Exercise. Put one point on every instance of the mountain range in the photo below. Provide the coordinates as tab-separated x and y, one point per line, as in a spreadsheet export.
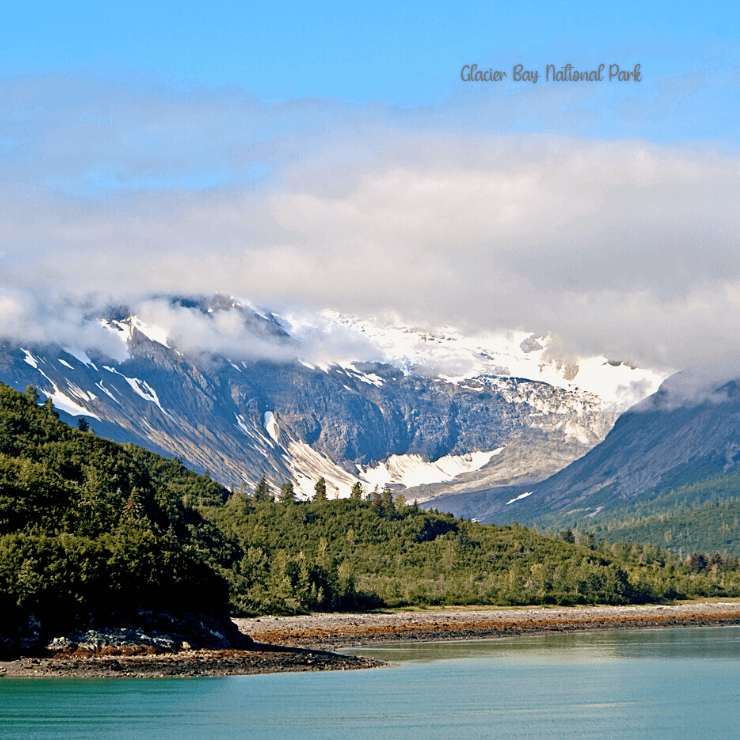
243	392
678	448
497	428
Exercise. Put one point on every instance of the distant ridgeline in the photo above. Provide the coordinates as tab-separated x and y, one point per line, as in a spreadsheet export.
92	531
667	473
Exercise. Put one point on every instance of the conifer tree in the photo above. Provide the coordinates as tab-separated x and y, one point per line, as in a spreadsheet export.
262	491
374	498
320	490
48	406
134	506
356	492
568	536
287	493
387	498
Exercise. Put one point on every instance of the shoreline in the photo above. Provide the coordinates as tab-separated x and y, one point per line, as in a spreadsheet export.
261	659
309	643
337	631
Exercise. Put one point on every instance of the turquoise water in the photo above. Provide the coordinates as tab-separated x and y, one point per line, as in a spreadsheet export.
650	684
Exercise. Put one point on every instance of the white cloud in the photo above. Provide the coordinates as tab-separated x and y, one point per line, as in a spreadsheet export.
37	318
239	335
622	247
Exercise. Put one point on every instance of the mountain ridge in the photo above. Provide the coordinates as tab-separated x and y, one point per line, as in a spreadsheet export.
241	417
685	433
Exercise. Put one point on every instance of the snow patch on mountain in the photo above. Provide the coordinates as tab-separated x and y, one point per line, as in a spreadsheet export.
100	385
124	330
452	356
120	329
519	497
411	470
64	403
61	400
370	378
260	441
79	393
155	333
80	356
141	388
243	425
271	426
145	391
30	359
307	466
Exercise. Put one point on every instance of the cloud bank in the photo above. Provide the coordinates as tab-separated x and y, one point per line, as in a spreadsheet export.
620	247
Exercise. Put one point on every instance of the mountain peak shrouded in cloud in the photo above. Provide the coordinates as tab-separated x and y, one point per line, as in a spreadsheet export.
203	328
195	325
240	330
709	382
620	242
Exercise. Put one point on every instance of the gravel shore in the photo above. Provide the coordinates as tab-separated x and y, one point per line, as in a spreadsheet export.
307	643
186	664
335	631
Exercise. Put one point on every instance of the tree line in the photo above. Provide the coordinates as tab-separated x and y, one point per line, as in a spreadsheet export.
91	529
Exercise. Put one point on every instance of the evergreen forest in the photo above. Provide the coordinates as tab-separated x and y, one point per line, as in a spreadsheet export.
701	516
91	529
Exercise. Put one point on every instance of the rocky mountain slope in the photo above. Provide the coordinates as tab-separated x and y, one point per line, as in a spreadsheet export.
263	404
687	432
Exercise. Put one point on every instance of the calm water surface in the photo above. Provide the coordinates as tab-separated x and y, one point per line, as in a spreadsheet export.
650	684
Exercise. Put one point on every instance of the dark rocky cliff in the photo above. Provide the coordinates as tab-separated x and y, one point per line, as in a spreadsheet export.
244	419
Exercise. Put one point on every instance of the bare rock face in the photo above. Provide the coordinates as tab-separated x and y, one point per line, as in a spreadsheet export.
530	456
142	632
687	432
287	420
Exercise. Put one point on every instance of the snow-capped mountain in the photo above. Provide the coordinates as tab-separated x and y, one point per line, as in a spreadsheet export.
687	433
457	357
243	392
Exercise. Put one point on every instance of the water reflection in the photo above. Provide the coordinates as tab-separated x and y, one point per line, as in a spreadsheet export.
577	647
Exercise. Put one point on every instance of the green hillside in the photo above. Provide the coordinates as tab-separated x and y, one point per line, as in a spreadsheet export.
91	530
709	528
700	517
400	555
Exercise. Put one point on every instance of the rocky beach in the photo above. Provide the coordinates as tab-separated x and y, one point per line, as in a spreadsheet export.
312	642
335	631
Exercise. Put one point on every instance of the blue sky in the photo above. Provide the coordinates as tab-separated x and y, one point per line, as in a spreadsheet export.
401	53
330	153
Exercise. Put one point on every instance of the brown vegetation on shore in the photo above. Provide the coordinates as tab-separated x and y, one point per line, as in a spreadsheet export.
334	631
303	643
